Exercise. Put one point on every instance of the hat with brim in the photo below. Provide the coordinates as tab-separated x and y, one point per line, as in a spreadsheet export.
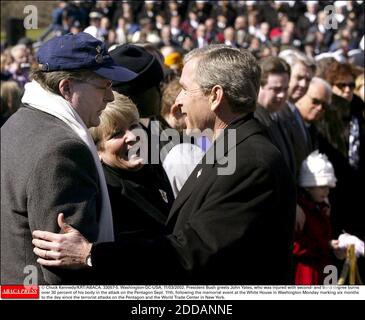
115	73
81	51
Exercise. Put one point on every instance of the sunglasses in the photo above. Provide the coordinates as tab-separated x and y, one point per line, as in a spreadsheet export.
343	85
318	102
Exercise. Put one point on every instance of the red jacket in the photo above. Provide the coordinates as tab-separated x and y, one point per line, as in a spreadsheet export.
311	245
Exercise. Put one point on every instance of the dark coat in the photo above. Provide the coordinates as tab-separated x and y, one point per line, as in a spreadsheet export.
298	134
45	169
335	126
140	200
331	136
278	135
221	227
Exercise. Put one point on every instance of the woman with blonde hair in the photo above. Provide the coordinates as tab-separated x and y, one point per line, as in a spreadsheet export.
140	193
10	100
359	86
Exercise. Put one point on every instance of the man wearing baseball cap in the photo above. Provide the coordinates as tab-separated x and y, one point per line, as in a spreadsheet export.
49	163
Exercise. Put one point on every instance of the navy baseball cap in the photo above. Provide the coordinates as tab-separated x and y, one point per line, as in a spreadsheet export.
81	51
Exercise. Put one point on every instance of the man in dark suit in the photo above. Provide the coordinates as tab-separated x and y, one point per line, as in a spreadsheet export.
302	70
271	100
236	203
48	160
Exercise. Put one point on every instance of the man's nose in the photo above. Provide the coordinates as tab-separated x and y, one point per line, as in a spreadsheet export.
281	94
320	107
178	100
109	96
303	83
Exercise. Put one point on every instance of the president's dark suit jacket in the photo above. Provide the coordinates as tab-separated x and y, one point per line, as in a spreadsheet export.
233	228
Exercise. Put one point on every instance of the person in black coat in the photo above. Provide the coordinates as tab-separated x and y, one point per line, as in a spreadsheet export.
233	220
271	100
140	193
302	70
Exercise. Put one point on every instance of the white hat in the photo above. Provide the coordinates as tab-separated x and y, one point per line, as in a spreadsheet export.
95	15
311	2
337	55
340	4
317	171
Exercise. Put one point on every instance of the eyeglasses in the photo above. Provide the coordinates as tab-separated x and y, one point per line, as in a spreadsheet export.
343	85
319	102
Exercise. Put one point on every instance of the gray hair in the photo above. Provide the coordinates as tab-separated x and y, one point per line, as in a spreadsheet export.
292	57
236	70
319	81
17	48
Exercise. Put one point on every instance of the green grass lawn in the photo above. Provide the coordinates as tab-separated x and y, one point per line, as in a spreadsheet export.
32	34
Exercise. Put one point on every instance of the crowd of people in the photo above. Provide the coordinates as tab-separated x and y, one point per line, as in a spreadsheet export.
76	111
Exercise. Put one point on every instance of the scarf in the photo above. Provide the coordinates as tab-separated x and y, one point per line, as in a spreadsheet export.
39	98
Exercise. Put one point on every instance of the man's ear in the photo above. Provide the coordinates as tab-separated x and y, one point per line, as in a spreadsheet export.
65	89
176	111
216	97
